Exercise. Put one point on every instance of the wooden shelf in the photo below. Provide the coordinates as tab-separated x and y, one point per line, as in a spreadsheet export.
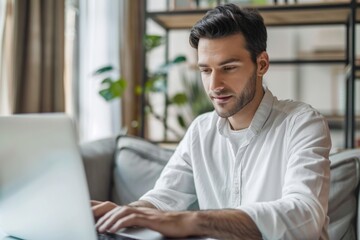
274	15
338	122
315	57
323	54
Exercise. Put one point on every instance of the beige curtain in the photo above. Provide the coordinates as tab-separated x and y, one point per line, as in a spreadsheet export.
38	56
6	52
131	58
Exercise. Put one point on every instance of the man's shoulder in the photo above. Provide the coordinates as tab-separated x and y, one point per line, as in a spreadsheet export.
202	127
205	122
292	108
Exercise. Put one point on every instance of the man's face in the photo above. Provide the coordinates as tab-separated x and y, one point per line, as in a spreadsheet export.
228	74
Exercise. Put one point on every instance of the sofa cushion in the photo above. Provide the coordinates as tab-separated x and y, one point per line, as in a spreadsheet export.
98	157
343	196
138	164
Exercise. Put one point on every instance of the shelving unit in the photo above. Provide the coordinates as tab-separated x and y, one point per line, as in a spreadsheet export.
278	15
346	14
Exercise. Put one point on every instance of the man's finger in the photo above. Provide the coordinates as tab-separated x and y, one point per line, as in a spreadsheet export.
113	216
94	202
102	208
110	218
131	220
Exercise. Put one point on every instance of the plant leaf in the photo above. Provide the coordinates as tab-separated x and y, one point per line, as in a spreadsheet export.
103	70
117	88
181	121
138	90
106	94
107	81
153	41
179	59
179	99
114	90
155	84
164	68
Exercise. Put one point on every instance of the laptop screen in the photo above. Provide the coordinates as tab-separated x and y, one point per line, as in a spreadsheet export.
43	189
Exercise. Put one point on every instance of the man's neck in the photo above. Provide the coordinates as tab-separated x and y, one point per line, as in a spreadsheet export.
243	118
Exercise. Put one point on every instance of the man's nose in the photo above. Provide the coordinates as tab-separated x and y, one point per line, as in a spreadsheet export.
216	81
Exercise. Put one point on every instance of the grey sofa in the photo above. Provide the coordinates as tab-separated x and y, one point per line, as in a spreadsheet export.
122	169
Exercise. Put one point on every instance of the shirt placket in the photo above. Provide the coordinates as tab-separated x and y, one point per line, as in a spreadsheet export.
237	176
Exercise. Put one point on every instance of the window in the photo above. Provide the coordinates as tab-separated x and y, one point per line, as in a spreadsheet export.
92	41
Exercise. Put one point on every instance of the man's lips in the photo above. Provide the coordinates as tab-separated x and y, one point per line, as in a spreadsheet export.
221	99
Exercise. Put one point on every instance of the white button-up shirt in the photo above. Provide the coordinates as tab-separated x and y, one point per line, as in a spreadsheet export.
279	176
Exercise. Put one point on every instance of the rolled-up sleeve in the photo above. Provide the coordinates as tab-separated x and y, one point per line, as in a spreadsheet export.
301	212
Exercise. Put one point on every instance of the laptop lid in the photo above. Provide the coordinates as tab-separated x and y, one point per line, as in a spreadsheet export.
43	189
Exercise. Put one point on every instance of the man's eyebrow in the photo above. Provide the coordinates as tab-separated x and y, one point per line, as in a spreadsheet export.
202	65
230	60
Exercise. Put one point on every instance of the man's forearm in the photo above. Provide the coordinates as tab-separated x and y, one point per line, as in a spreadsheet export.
226	224
141	203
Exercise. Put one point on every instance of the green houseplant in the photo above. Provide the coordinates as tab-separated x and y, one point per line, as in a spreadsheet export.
113	88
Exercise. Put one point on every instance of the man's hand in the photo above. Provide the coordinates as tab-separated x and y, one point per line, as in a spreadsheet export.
221	224
101	208
170	224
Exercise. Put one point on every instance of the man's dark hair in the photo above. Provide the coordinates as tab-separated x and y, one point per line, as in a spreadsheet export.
229	19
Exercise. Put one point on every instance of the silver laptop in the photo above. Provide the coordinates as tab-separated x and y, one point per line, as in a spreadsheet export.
43	189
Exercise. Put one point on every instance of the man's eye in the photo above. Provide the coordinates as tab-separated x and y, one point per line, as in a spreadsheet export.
205	70
228	68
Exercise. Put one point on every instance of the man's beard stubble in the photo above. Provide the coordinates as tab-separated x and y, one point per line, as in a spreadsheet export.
241	100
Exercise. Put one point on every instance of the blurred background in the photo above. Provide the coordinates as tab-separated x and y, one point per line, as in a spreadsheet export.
126	65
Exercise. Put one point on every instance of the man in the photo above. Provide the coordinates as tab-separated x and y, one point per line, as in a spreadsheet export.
258	167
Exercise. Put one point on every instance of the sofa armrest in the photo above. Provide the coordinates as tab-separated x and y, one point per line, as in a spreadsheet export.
344	194
98	159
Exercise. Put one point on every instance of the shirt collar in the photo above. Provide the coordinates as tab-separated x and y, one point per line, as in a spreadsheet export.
259	119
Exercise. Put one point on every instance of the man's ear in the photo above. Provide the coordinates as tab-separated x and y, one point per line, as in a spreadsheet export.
262	63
